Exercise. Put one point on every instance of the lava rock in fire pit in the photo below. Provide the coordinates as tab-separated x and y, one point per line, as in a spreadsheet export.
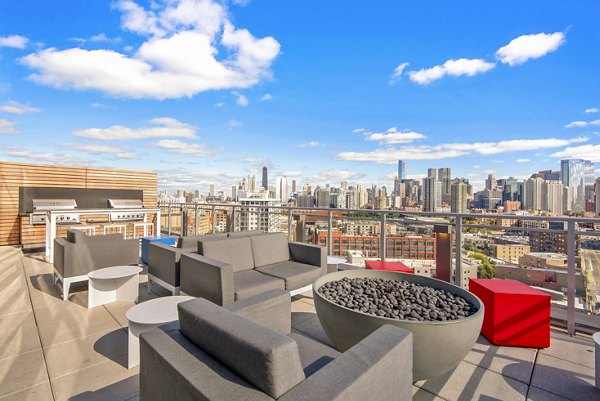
396	299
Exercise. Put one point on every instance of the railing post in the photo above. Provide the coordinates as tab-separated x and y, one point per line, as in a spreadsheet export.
329	232
169	220
289	213
571	248
196	219
383	237
214	219
458	251
232	229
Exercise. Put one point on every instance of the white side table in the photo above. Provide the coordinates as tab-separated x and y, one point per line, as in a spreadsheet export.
148	315
116	283
333	262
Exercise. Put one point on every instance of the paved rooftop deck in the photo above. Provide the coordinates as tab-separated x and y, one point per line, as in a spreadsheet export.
55	350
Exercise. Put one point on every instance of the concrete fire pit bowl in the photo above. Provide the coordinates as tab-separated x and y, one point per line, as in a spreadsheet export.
438	346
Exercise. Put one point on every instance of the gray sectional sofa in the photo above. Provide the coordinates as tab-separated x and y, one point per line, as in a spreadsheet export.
220	353
78	254
227	270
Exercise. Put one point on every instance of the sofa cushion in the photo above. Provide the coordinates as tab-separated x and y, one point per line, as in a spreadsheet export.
296	275
269	249
249	233
74	235
191	241
250	282
268	360
235	251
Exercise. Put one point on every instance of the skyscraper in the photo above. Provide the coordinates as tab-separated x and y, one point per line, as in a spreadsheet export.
445	181
577	174
458	197
490	182
432	172
430	185
401	170
294	190
281	190
265	179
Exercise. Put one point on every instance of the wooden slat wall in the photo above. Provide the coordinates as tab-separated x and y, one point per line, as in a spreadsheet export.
15	229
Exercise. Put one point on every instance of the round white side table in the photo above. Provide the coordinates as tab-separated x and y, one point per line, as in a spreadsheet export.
333	262
110	284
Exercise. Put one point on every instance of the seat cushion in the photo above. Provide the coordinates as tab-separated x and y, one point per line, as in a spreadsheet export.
268	360
270	248
296	275
235	251
313	354
250	282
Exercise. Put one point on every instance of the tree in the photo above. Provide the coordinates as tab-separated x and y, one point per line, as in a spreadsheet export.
486	269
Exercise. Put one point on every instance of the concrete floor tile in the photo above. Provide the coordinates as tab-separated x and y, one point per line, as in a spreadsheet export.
70	356
118	311
577	349
61	310
106	381
14	299
418	394
492	357
35	263
20	341
298	317
564	378
300	306
95	321
17	320
537	394
22	371
39	392
470	382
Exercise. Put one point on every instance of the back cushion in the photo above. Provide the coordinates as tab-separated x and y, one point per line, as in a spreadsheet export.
74	235
191	241
269	249
266	359
249	233
235	251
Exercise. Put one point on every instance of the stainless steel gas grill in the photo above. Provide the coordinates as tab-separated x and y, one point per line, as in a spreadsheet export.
121	209
66	207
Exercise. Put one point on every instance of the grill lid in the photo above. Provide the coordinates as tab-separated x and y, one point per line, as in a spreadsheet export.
54	204
125	203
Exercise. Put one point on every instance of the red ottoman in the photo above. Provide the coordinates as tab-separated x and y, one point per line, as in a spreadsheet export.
515	314
389	266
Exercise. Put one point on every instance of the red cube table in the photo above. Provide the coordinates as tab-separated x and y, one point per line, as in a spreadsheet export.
515	314
389	266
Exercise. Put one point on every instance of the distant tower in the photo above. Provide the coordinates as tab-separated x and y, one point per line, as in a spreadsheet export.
432	172
490	183
401	170
577	174
430	187
446	181
211	190
294	186
281	190
265	180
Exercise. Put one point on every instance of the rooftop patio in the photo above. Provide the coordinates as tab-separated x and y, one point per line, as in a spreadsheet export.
56	350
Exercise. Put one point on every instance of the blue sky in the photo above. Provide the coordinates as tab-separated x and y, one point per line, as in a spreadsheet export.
207	92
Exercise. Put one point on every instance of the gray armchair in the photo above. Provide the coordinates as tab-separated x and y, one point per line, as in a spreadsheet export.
79	254
216	354
236	268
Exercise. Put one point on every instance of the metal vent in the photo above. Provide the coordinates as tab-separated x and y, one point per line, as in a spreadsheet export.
125	203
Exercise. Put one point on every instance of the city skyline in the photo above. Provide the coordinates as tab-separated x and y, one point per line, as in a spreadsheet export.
206	92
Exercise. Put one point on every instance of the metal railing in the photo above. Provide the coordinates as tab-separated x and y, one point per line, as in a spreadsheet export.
234	217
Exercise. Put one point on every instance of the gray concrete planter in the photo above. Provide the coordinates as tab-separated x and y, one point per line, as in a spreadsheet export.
437	346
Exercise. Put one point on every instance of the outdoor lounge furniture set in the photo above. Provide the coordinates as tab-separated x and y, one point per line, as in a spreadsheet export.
228	267
248	351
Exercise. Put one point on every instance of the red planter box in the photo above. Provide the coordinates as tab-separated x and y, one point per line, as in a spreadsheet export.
389	266
515	314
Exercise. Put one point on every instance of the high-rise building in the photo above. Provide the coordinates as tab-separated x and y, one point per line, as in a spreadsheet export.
234	193
258	216
294	188
533	194
458	197
432	172
281	190
251	183
510	189
322	197
265	178
597	187
211	190
552	197
401	169
344	185
430	187
445	180
577	174
490	182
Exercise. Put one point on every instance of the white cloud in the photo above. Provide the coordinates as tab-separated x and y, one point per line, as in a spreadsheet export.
241	99
97	105
17	108
529	47
219	104
182	178
392	136
523	160
310	144
179	59
592	110
329	176
101	37
583	124
292	173
48	157
117	151
164	127
391	155
265	97
193	149
7	127
14	41
587	152
359	130
233	124
397	74
462	66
